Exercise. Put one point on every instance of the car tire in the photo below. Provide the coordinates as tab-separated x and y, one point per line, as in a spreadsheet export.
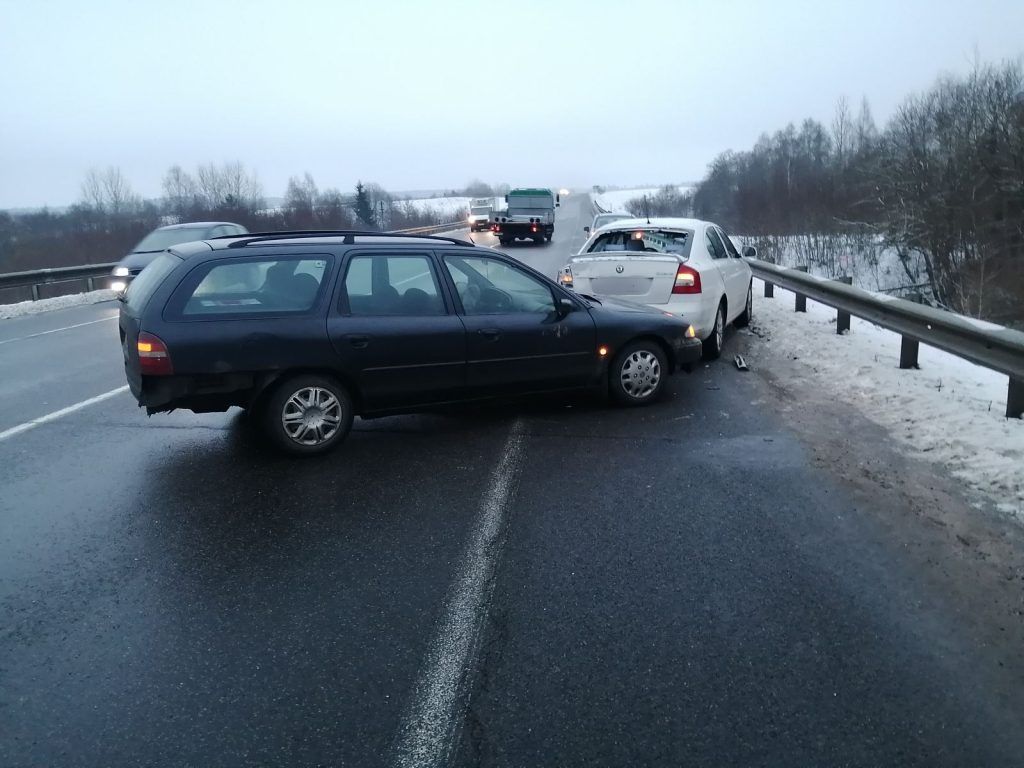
637	374
748	310
307	415
712	345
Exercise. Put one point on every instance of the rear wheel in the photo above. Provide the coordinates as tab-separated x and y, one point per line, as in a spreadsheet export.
307	415
637	374
748	310
712	345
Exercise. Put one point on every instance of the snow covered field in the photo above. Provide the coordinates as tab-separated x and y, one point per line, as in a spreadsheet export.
615	200
448	208
58	302
950	411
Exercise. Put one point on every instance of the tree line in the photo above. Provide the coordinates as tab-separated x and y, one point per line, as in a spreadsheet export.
110	217
941	185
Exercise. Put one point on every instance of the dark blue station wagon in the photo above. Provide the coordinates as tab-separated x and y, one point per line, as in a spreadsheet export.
309	329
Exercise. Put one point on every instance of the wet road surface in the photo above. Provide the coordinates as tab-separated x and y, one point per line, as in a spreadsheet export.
679	584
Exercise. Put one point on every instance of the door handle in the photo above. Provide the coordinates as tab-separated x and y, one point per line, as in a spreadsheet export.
357	341
491	334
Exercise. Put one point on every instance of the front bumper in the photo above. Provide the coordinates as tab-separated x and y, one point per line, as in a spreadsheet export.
687	352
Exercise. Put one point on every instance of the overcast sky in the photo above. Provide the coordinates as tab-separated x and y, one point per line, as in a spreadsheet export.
420	95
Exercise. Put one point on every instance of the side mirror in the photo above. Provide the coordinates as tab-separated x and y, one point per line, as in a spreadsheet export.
587	230
563	307
750	252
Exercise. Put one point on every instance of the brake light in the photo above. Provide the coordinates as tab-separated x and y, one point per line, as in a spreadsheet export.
687	280
154	359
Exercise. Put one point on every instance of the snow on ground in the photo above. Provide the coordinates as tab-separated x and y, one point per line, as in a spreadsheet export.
950	411
448	208
58	302
615	200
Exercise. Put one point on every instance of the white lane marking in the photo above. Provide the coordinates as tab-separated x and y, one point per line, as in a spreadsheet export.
61	413
58	330
428	727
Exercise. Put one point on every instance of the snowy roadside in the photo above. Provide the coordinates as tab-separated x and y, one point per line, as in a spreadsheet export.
23	308
950	411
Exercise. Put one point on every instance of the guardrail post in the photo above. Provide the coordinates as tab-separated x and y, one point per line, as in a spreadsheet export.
35	291
769	290
801	300
1015	399
90	283
908	353
843	318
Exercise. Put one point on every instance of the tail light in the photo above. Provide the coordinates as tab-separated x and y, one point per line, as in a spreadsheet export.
533	228
687	280
154	359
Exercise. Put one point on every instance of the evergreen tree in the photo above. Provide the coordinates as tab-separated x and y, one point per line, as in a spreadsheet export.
364	208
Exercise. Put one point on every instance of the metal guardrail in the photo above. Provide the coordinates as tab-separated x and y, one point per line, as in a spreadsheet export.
35	279
992	346
39	277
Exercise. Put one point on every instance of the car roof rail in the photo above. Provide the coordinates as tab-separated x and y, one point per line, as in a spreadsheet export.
240	241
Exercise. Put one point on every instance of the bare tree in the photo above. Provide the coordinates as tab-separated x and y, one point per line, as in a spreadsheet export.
109	192
179	191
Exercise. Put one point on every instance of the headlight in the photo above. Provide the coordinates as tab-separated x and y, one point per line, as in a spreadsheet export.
121	272
118	285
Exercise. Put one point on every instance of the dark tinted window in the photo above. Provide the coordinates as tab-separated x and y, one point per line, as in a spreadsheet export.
393	285
257	286
728	244
142	287
714	243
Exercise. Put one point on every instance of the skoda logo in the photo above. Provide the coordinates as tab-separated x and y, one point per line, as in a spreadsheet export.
619	268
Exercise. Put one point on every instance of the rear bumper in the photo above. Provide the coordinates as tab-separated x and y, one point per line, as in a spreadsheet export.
201	394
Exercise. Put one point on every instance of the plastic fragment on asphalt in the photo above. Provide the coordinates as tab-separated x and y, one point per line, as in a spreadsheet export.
741	364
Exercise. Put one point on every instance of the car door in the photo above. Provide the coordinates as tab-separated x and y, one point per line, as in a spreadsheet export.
728	269
518	337
740	272
395	330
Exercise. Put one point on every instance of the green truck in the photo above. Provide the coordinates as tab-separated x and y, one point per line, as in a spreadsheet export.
530	215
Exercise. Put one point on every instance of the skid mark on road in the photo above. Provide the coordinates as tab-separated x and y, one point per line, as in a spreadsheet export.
26	426
426	734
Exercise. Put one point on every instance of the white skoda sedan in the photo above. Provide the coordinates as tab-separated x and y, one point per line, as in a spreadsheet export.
683	266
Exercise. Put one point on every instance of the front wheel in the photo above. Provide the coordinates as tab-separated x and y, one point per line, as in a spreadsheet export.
748	310
308	415
637	374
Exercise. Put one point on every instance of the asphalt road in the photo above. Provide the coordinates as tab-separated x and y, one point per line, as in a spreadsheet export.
680	584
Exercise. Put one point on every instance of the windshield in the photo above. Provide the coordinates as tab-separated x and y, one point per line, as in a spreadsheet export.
644	241
162	239
480	209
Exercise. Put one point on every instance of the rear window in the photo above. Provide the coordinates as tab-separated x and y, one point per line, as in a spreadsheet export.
644	241
142	287
273	285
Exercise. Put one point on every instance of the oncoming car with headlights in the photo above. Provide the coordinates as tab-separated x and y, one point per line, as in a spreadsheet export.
682	266
163	238
307	330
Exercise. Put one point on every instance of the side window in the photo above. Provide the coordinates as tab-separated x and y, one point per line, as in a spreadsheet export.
729	246
218	231
714	243
392	285
492	287
257	286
